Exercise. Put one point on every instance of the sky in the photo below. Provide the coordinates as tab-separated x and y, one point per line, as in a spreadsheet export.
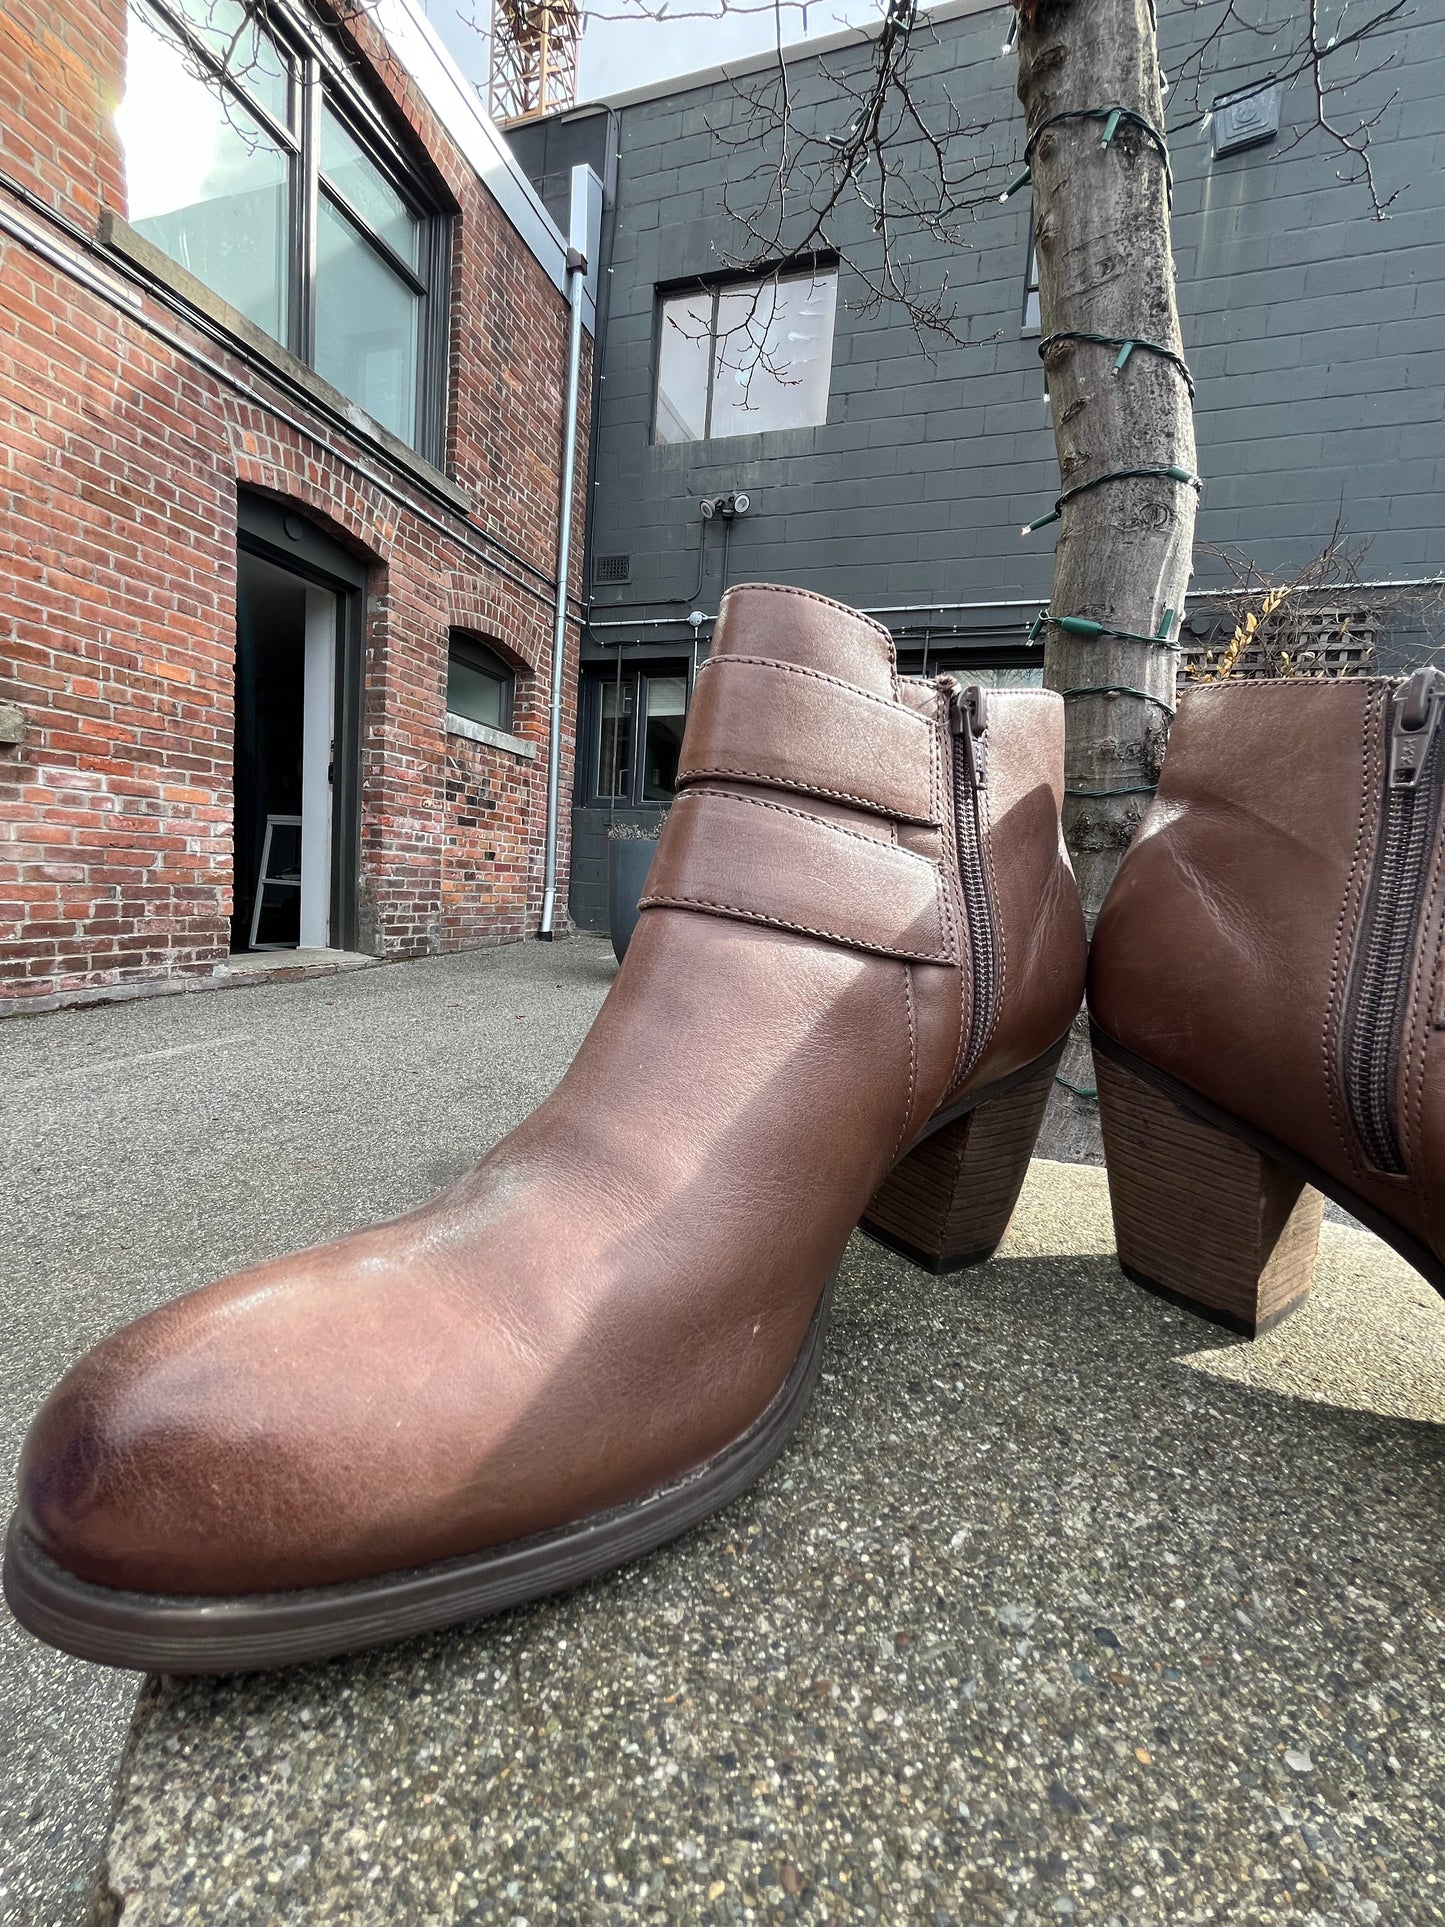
624	48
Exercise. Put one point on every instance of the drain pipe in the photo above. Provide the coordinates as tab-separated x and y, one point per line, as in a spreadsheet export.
576	275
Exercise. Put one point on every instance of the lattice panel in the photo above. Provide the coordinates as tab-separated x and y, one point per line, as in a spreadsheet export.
1329	639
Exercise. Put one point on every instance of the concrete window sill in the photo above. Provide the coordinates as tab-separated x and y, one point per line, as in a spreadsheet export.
493	738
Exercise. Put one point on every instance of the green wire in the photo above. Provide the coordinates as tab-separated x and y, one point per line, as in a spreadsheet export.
1127	789
1126	344
1169	473
1091	630
1113	118
1118	689
1079	1090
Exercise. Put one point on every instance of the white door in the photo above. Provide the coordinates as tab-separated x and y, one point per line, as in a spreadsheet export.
318	723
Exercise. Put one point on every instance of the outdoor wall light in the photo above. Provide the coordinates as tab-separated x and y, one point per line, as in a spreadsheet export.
1246	118
727	506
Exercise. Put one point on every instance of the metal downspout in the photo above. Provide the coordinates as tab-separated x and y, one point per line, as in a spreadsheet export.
576	272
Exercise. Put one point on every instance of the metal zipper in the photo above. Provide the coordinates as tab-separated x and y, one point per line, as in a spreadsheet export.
1390	929
968	721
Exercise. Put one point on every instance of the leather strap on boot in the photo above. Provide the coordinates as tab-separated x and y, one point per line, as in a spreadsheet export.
810	738
764	862
795	729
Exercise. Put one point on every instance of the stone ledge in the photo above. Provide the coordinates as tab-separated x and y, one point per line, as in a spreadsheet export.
493	738
1063	1607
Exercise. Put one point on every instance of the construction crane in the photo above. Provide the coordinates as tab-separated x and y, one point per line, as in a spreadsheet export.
534	58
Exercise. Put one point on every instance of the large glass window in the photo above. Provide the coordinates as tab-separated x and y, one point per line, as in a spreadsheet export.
296	217
746	357
634	723
215	192
366	325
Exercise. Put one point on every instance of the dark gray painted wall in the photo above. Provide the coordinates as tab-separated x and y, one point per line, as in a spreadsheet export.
1315	334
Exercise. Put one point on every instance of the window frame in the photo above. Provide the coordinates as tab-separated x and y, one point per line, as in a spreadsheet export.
1031	324
713	288
318	80
598	677
477	654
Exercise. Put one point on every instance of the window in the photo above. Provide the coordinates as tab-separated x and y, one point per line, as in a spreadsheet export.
251	163
664	712
1031	322
615	710
480	686
626	764
744	358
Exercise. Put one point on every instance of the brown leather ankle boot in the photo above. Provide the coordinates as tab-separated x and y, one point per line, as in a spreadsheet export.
1268	995
860	950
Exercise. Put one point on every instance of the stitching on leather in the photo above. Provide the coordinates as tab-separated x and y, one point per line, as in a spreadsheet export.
1255	685
800	929
877	804
872	803
828	602
803	816
1423	1033
1356	889
935	757
912	1064
813	675
946	950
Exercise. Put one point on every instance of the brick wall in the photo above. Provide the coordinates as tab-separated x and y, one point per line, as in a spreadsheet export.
126	428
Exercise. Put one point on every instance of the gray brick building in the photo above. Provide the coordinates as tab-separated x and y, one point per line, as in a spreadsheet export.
1314	332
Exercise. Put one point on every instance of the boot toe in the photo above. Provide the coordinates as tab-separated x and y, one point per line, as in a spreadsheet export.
142	1472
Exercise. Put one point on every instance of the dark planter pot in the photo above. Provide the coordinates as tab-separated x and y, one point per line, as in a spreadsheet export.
629	858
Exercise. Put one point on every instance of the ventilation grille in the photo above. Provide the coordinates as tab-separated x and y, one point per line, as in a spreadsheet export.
614	568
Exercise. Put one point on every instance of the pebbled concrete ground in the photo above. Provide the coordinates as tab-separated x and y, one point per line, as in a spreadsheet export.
1063	1608
146	1147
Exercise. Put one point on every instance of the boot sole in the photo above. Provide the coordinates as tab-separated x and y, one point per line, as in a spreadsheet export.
1415	1254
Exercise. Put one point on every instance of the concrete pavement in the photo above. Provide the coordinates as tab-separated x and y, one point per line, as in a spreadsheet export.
149	1146
1064	1607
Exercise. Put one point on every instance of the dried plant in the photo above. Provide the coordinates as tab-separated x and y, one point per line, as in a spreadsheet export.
623	830
1324	621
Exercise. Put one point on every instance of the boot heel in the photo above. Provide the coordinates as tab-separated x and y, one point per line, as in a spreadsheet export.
1199	1215
948	1203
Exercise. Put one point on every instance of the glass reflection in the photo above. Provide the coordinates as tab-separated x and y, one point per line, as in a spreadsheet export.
366	324
203	181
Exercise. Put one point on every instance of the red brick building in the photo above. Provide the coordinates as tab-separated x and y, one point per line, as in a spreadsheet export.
283	386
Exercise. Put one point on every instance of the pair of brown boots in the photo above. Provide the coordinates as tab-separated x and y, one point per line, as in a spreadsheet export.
861	952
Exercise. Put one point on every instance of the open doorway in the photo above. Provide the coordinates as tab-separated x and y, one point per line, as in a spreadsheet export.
295	741
286	631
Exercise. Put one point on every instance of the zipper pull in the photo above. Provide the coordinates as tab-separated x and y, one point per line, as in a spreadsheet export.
1414	719
968	719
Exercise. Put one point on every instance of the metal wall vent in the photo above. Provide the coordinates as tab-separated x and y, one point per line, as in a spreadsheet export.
614	568
1246	118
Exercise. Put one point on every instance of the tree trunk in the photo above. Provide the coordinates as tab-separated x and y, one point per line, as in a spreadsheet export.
1105	267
